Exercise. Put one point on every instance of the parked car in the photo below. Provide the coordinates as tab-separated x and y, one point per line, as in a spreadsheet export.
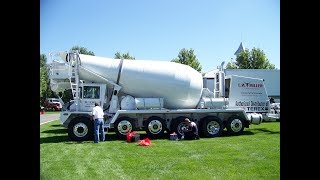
52	104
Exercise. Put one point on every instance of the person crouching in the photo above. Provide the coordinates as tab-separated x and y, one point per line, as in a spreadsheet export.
191	132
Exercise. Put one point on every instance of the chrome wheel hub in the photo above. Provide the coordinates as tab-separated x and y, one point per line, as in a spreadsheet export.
80	130
213	127
236	125
155	126
124	127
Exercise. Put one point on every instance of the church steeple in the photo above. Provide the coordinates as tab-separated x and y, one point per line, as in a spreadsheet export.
240	48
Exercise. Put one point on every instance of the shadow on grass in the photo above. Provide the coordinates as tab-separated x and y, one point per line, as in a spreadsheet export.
65	139
111	136
267	131
54	139
56	125
56	131
114	137
271	122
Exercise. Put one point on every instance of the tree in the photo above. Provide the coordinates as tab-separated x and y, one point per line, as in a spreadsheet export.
82	50
45	90
256	59
43	75
188	57
123	56
231	65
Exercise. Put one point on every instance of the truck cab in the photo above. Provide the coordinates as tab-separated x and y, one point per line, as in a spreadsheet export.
89	93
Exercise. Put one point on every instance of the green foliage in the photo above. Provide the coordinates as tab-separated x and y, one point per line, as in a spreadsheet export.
256	59
43	60
66	96
118	55
43	82
253	155
231	66
45	90
43	75
188	57
82	50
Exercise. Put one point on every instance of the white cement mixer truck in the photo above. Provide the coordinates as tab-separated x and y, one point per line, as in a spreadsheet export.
153	96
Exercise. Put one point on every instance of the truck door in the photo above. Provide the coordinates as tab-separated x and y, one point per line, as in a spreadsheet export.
90	95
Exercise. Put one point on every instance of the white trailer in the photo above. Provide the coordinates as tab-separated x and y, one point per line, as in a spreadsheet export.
155	96
271	79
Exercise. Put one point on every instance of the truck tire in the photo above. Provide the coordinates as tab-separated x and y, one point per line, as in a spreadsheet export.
155	127
234	125
80	129
123	125
177	124
210	126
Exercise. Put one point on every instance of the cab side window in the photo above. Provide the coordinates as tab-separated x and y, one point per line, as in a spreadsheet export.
91	92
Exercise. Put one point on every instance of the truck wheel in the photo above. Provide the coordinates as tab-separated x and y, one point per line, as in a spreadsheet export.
235	125
155	126
211	126
80	129
123	125
177	125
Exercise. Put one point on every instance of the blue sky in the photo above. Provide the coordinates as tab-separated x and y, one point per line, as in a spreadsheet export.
159	29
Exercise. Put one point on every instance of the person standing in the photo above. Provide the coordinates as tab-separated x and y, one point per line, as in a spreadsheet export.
97	116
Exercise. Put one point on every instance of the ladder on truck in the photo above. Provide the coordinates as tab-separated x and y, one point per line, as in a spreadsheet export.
73	60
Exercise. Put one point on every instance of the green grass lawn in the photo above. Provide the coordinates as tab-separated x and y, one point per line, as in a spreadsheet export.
253	155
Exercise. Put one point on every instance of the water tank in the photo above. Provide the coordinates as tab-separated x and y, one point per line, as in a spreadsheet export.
179	84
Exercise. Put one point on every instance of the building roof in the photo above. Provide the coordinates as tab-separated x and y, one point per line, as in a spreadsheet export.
240	48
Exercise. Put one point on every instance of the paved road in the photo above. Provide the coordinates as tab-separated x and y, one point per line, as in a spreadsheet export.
45	118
